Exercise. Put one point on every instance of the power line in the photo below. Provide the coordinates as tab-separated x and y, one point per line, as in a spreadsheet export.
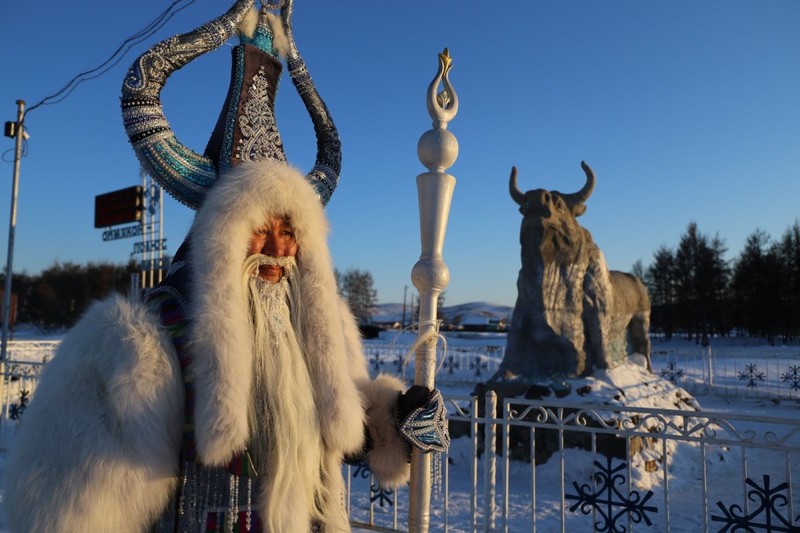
7	156
116	57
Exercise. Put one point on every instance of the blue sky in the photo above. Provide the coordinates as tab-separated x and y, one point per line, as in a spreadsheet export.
686	110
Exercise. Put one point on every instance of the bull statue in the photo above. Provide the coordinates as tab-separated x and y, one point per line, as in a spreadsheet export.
572	314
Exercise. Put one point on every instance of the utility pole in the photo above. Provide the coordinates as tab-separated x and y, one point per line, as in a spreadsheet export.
403	322
17	130
142	272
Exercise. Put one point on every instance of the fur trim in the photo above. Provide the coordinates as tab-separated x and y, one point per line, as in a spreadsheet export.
280	43
353	345
247	26
389	456
98	449
244	197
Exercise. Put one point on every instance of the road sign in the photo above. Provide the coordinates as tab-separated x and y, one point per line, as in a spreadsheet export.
122	233
155	264
149	246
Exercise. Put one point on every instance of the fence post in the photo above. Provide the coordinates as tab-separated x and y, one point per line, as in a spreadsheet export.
489	460
710	365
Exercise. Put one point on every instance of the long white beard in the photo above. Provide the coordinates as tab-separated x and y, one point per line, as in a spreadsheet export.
285	440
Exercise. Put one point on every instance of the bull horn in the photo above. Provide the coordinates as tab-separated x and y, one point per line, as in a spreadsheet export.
513	188
328	164
185	174
582	195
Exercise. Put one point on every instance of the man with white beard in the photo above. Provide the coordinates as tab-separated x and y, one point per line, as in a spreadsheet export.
228	396
258	360
310	395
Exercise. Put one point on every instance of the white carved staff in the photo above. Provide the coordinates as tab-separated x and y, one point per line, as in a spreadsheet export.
437	150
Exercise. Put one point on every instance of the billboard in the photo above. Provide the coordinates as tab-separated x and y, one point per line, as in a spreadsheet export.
118	207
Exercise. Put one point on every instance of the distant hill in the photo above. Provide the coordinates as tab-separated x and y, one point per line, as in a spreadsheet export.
473	312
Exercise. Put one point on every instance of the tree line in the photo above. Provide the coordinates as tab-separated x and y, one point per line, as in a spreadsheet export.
61	293
695	291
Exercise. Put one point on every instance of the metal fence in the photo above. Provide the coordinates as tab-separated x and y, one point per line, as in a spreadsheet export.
461	364
769	374
20	374
550	467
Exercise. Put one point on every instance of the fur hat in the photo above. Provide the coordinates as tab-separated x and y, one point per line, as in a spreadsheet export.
246	196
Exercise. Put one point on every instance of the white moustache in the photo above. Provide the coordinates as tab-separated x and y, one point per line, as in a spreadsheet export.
256	261
268	260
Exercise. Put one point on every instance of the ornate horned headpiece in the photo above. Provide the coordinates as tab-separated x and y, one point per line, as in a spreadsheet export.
246	129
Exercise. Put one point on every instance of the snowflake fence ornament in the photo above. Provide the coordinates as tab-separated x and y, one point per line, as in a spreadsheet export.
768	515
792	377
16	410
361	470
671	372
376	493
376	360
450	364
752	375
398	364
608	501
381	495
478	365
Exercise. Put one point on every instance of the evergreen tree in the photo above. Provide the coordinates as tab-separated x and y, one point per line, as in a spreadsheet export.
660	280
713	275
789	255
751	285
686	293
701	278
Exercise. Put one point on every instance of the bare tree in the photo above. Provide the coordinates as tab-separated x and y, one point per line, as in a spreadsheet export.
357	288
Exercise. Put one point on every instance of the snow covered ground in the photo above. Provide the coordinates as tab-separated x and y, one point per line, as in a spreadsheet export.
724	465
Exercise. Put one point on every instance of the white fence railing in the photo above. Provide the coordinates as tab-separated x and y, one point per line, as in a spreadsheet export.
461	364
768	374
602	468
20	374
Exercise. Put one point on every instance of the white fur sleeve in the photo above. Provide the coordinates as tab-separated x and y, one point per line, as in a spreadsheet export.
388	459
97	450
388	456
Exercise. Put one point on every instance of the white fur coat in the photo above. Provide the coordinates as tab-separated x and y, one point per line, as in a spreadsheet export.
98	447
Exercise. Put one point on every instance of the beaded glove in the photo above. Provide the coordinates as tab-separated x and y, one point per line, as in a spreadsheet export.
422	419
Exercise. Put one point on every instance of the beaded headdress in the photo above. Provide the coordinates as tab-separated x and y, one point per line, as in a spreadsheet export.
246	129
